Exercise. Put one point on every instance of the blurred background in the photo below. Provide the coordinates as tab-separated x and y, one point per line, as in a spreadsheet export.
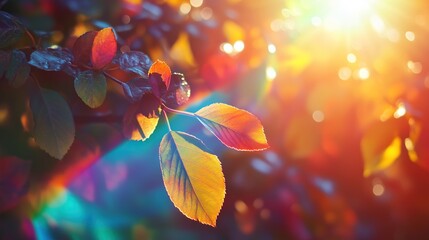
341	87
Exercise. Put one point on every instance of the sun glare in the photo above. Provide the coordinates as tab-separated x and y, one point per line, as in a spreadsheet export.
347	13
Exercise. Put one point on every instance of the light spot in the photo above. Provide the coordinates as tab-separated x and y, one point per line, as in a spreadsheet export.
265	214
196	3
185	8
351	58
270	73
400	111
258	203
126	19
240	207
206	13
363	73
344	73
239	46
415	67
226	48
378	189
272	48
318	116
410	36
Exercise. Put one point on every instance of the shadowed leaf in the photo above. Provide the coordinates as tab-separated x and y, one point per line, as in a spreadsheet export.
103	48
4	62
236	128
162	69
136	62
82	48
51	59
91	87
11	29
135	88
18	69
53	122
141	118
192	176
179	91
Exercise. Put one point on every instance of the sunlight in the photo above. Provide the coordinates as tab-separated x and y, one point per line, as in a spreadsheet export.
347	13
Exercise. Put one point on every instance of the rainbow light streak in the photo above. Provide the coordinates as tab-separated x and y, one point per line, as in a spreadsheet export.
101	196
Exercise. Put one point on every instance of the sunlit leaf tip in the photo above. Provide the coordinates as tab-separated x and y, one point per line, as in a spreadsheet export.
141	118
192	176
236	128
163	69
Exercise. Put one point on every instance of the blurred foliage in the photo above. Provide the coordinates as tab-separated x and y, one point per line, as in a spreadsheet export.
341	88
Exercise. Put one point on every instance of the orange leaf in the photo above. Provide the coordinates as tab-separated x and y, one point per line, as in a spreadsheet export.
236	128
103	48
141	118
192	176
163	69
82	47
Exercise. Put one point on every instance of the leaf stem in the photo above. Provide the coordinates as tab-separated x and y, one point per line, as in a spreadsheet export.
113	78
33	41
166	119
189	114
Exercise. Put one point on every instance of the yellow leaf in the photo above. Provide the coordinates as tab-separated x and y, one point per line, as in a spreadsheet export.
192	176
233	32
380	147
181	51
236	128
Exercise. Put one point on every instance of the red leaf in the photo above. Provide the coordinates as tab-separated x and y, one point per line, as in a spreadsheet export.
163	69
236	128
83	46
104	48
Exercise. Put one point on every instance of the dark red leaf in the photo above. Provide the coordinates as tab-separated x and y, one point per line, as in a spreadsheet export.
82	48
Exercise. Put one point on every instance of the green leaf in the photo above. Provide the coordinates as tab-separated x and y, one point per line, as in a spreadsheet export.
54	128
192	176
18	69
91	87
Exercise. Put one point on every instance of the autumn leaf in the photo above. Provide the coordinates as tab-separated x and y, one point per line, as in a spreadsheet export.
83	46
192	176
162	69
380	146
53	122
236	128
141	118
103	48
